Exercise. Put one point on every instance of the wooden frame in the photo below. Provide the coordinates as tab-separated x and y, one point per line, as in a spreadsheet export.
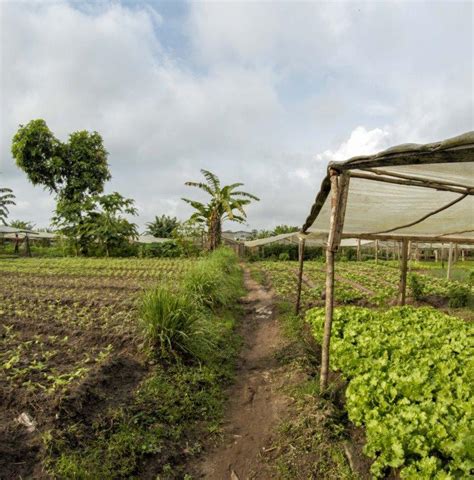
455	150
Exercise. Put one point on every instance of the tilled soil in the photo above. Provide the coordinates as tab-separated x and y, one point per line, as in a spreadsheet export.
257	402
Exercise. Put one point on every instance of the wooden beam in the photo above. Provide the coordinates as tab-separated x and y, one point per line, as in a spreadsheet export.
339	191
412	183
424	217
300	275
449	155
450	261
418	179
416	238
403	273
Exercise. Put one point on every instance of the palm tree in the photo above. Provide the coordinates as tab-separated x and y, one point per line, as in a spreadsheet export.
6	198
226	204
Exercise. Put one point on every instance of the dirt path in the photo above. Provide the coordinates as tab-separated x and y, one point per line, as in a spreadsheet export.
257	403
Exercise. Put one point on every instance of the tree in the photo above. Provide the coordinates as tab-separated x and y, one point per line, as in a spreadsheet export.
102	222
162	227
225	204
6	198
22	225
75	171
280	229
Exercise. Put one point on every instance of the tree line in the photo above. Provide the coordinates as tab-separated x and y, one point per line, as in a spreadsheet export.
76	172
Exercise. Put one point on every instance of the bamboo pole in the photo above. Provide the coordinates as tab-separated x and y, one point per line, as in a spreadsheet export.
339	191
450	261
300	274
403	273
412	183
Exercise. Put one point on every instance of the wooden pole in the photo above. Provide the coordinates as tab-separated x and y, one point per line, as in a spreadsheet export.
358	250
376	251
436	255
462	255
339	191
450	261
403	273
300	275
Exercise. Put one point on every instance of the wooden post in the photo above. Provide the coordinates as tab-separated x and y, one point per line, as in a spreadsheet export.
300	275
442	255
450	261
27	246
408	255
436	255
358	250
339	191
376	251
462	255
403	273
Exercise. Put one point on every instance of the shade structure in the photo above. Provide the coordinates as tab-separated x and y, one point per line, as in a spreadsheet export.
294	238
152	239
415	191
412	192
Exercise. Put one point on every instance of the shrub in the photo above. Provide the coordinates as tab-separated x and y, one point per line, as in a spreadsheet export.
458	296
214	281
172	325
417	286
283	257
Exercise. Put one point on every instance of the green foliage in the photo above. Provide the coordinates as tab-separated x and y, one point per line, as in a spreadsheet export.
175	320
75	171
72	170
172	325
225	204
22	224
162	227
280	229
169	249
284	256
100	224
6	198
214	281
458	295
416	285
410	386
274	250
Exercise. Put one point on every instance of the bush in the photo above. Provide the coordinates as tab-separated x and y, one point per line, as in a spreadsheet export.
214	281
283	257
458	296
172	324
178	323
274	250
417	286
163	250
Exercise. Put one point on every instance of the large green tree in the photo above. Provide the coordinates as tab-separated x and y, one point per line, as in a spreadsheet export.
6	198
162	227
226	203
75	171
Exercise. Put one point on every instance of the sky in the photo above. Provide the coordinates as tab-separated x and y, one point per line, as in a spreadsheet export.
265	93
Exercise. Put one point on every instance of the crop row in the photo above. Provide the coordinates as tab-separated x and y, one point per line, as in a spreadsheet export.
410	386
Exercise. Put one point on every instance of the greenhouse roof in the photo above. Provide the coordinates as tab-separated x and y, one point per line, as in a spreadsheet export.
295	237
420	192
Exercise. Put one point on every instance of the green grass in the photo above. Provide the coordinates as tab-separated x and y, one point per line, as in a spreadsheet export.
180	401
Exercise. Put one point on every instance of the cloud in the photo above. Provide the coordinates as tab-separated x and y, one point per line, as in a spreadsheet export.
257	92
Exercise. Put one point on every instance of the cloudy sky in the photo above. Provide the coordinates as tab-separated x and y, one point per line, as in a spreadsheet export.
259	92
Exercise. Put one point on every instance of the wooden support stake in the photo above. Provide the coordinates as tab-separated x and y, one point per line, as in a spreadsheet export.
376	251
27	246
339	191
450	261
403	273
300	275
358	250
